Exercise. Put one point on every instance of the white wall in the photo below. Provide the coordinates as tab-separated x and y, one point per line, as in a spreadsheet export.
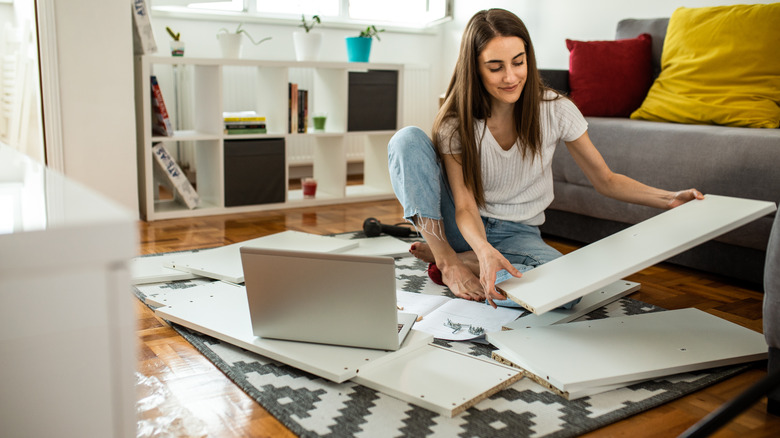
551	22
94	43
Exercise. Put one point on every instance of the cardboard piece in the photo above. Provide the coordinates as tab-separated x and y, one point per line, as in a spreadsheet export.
580	272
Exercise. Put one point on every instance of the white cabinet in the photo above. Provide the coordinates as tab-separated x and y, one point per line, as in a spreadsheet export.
198	90
67	324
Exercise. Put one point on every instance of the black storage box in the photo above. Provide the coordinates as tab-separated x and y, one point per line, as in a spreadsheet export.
254	171
373	101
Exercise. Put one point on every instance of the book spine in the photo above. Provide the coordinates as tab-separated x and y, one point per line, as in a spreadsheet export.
300	111
293	114
306	111
161	123
182	187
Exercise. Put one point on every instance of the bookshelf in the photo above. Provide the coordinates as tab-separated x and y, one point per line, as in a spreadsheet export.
198	90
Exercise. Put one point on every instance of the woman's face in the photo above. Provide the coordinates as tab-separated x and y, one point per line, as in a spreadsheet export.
503	69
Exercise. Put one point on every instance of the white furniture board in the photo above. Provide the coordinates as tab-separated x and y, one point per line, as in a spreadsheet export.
511	359
159	297
222	311
379	246
440	380
588	354
151	269
589	303
580	272
224	263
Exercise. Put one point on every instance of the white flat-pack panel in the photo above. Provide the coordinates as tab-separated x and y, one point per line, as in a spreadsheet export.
151	269
222	311
589	303
379	246
588	354
440	380
580	272
509	358
224	263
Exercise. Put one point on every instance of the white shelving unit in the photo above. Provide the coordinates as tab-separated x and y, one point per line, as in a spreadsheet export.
197	91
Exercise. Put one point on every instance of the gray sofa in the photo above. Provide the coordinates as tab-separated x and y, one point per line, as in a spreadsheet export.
739	162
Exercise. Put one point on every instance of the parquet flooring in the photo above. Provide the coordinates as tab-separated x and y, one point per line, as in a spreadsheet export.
199	393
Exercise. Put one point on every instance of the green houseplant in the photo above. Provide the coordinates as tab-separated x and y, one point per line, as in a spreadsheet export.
230	42
307	44
359	47
177	45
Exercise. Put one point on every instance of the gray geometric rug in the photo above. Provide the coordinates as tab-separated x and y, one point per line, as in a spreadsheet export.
313	407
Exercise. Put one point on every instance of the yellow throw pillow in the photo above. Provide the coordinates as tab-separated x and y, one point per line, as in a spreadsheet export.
720	65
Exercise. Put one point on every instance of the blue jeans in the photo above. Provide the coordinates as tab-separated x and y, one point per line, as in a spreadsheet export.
421	187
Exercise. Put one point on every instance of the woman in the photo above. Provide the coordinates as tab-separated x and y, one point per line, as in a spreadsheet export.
478	191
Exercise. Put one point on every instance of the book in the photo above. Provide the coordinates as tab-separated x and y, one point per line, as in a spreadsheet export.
143	36
303	110
246	131
242	116
292	115
455	319
245	125
161	121
174	176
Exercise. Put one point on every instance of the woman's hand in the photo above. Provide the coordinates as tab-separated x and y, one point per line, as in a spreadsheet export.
684	196
490	262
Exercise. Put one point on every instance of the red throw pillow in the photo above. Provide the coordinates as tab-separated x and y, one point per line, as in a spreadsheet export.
610	78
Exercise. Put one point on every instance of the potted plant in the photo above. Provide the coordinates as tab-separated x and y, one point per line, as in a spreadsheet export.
177	45
359	47
307	44
230	42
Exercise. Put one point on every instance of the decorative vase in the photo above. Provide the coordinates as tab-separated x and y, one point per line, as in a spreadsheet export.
307	45
230	44
358	49
177	48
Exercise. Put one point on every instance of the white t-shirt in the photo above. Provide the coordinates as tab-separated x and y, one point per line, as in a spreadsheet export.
518	189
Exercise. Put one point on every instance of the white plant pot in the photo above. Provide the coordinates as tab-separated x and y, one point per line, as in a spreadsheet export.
230	43
307	45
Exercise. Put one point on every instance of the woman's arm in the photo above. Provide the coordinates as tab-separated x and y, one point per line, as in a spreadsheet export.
619	186
470	225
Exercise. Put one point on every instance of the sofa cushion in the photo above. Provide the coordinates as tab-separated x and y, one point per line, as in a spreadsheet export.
719	66
609	78
656	27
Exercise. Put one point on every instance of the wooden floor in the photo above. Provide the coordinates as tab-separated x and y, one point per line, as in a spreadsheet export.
200	393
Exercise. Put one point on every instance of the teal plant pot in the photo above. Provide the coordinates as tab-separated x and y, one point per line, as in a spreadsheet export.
358	49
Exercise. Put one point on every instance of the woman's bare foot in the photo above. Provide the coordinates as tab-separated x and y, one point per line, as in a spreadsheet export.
422	251
462	279
463	283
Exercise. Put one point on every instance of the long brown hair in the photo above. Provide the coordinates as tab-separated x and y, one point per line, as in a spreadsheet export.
467	99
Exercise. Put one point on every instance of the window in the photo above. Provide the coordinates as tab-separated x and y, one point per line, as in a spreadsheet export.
396	13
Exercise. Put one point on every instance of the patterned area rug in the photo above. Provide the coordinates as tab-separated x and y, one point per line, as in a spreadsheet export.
313	407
